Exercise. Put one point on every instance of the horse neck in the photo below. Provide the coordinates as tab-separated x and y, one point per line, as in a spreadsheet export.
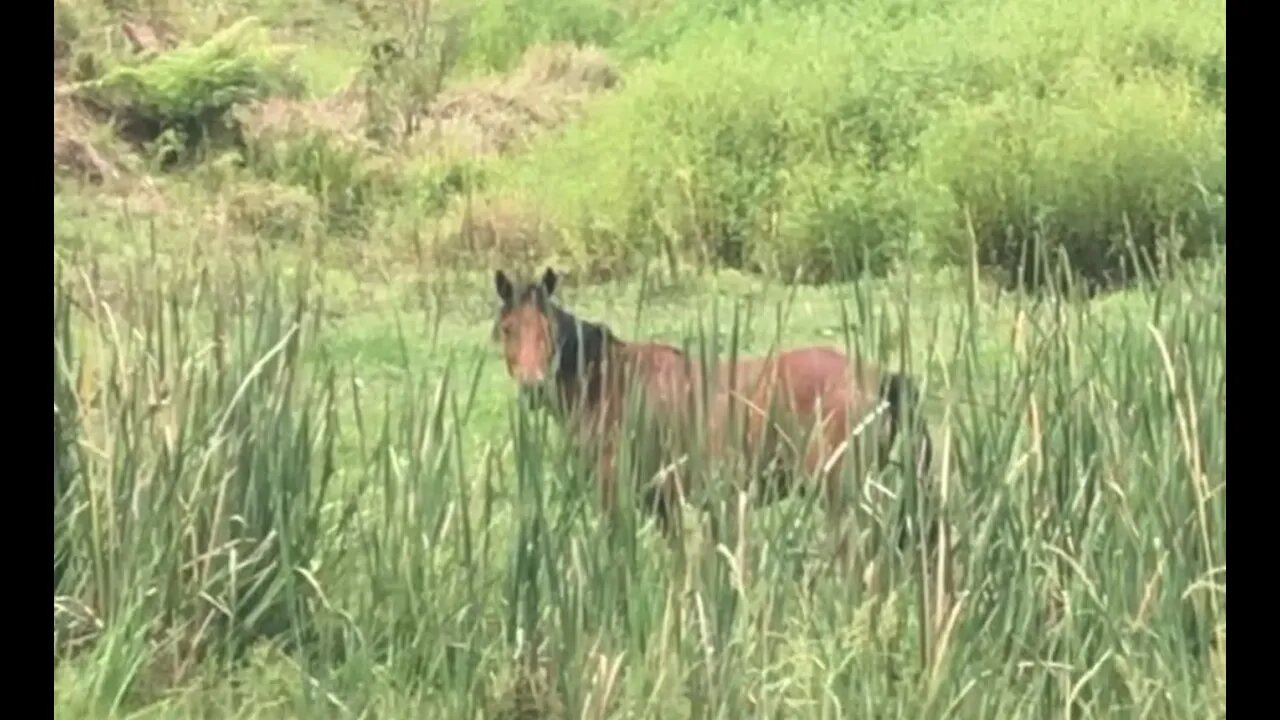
583	347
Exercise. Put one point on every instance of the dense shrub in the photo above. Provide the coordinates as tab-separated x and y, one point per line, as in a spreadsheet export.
357	185
692	158
274	212
343	172
185	96
827	140
1099	170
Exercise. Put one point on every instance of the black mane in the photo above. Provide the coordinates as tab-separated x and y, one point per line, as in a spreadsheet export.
580	344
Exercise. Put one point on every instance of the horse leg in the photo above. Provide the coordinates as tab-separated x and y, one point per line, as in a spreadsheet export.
664	502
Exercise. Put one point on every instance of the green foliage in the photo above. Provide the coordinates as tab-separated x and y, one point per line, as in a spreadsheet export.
498	32
1112	175
433	184
346	174
268	507
676	163
663	24
354	183
189	92
824	141
278	213
407	65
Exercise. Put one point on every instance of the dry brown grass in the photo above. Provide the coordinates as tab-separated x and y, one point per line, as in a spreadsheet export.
499	115
502	114
62	36
75	153
493	115
149	38
493	230
274	212
341	115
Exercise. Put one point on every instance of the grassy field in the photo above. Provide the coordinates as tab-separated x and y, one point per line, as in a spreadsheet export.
292	479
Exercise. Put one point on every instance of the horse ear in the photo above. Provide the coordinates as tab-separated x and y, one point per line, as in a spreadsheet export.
503	286
549	281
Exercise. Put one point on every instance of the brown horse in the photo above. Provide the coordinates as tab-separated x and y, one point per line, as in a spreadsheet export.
808	405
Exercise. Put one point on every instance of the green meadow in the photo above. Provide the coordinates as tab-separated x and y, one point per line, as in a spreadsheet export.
292	477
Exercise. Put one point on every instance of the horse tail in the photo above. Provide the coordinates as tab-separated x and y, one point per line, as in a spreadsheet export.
903	399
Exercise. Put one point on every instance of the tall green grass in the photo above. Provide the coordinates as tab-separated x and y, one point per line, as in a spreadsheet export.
245	525
191	467
238	527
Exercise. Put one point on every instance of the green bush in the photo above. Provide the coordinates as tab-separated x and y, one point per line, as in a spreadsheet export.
644	174
345	176
1098	169
825	140
836	221
277	213
187	93
355	183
